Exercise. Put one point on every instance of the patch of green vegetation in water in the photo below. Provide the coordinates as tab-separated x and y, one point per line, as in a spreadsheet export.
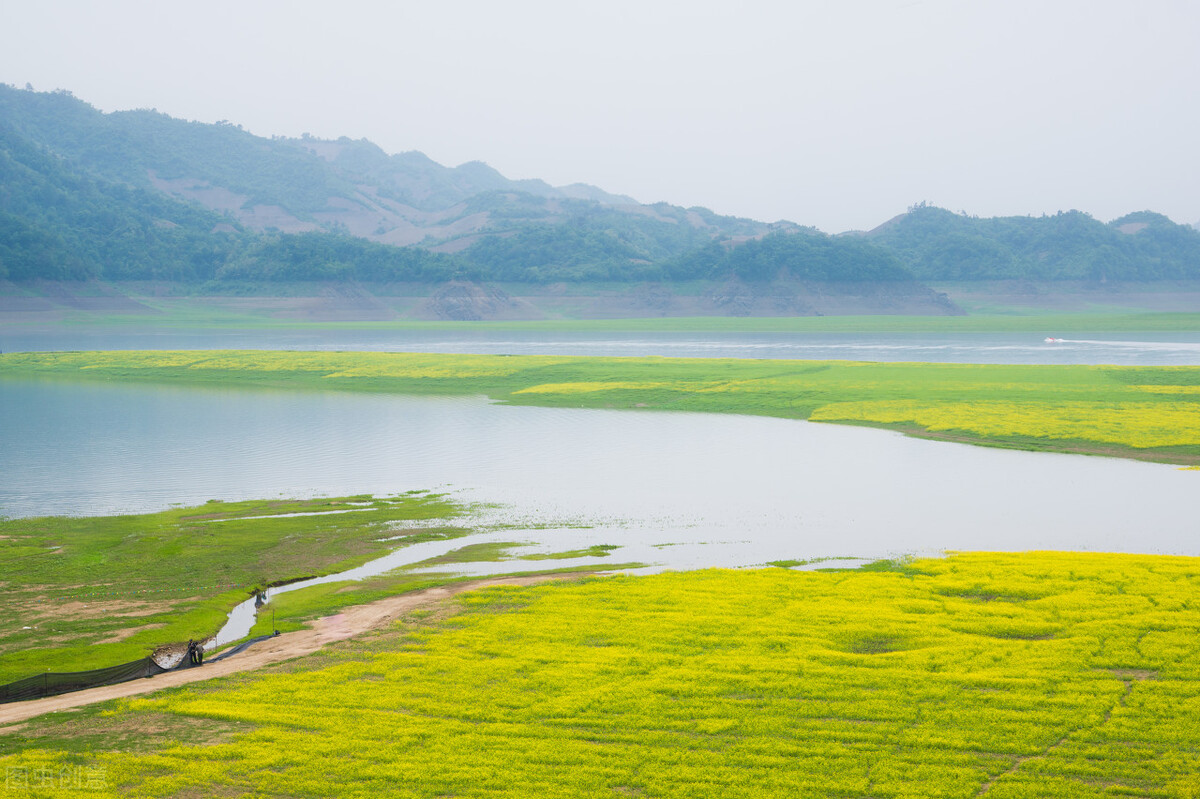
491	551
595	551
792	564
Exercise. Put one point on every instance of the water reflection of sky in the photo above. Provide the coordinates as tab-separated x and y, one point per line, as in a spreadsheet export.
674	489
1178	348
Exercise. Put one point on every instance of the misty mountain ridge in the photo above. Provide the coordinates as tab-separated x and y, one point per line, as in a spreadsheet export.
138	195
308	184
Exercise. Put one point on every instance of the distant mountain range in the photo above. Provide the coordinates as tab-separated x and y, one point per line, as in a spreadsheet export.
138	195
940	246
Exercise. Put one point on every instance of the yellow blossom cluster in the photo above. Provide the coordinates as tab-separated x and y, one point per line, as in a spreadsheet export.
1131	424
1005	675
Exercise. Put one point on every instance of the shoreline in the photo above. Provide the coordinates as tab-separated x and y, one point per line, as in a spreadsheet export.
1135	412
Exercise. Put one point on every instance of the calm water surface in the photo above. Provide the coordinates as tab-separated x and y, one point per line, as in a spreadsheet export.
1097	348
674	489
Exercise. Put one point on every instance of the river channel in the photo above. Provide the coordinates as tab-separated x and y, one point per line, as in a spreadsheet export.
681	490
672	490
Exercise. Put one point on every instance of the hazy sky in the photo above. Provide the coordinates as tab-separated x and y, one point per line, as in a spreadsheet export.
836	114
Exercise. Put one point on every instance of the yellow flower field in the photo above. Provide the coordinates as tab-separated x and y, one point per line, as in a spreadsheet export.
982	674
1130	424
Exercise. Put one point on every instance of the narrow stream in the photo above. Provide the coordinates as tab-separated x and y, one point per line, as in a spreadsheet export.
241	618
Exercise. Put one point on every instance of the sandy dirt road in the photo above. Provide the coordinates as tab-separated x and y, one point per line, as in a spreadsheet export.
347	624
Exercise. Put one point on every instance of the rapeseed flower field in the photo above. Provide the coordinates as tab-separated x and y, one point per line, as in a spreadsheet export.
981	674
1138	425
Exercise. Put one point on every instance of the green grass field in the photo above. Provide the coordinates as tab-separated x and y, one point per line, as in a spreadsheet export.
1126	411
88	592
83	593
984	674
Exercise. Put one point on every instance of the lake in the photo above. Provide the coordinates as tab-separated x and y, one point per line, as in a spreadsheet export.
678	490
1176	348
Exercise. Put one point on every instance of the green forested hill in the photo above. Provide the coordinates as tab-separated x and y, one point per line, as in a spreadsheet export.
136	147
140	195
93	195
60	223
939	245
307	184
806	255
193	201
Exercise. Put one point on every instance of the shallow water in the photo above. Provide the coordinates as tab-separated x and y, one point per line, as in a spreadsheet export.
676	489
672	490
1180	348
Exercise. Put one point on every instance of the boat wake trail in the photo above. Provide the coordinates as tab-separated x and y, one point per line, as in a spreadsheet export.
1149	346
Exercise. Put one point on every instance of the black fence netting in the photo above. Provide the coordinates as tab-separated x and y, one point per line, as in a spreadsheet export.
53	683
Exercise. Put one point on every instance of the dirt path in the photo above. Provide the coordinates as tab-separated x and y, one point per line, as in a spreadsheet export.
347	624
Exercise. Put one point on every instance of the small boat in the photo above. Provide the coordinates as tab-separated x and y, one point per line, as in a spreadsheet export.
1053	340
